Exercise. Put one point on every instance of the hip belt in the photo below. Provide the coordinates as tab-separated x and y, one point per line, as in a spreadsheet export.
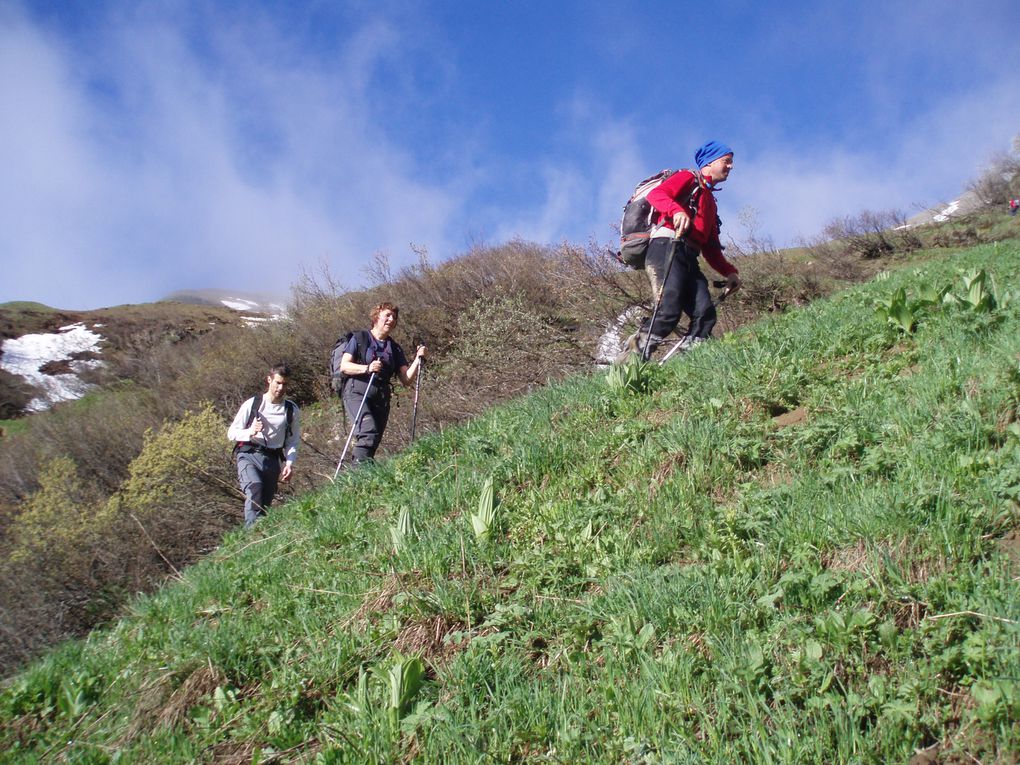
247	447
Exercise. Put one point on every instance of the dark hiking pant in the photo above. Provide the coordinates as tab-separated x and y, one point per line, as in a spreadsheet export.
685	290
259	474
368	430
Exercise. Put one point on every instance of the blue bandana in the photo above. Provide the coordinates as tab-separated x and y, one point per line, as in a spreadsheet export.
709	152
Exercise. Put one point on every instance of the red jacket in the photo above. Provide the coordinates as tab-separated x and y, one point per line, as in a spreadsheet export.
704	230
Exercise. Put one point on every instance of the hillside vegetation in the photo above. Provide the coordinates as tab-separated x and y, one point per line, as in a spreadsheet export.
794	545
133	482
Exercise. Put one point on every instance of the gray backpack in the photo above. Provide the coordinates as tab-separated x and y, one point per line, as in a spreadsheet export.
638	216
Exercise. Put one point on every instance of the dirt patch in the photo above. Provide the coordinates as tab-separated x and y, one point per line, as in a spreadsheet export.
426	638
1009	546
60	367
916	566
234	753
380	601
158	705
666	468
910	371
793	417
776	474
659	417
201	682
928	756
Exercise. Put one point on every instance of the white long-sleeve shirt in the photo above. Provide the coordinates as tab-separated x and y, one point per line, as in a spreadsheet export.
274	426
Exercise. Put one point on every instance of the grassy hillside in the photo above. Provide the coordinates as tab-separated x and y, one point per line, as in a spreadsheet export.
794	545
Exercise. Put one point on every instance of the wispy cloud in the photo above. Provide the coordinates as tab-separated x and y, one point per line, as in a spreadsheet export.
151	147
163	168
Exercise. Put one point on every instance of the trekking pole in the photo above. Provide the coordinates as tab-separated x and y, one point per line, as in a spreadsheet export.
354	425
715	303
658	298
417	387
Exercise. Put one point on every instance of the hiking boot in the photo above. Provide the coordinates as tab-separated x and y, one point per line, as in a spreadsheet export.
653	342
635	343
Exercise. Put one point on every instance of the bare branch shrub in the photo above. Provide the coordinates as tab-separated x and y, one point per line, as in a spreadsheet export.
180	497
503	349
999	181
866	235
101	434
15	394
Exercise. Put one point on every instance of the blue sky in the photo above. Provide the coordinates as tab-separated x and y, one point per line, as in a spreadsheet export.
147	147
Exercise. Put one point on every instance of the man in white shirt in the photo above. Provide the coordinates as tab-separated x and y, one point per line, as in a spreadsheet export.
266	432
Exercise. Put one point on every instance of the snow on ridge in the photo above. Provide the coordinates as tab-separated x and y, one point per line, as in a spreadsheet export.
26	355
239	304
275	311
952	209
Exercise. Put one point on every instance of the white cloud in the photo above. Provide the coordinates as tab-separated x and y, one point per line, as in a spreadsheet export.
229	168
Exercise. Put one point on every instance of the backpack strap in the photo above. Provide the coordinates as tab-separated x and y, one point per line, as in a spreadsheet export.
363	338
696	190
256	404
288	405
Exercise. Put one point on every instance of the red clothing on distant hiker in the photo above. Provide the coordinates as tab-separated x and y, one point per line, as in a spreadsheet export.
704	230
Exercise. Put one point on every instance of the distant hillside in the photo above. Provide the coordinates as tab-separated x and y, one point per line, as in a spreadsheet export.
965	204
246	302
122	334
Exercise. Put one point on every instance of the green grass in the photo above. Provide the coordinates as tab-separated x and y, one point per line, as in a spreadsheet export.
667	576
10	427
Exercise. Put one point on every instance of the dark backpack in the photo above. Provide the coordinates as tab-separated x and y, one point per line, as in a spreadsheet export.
256	402
638	215
337	379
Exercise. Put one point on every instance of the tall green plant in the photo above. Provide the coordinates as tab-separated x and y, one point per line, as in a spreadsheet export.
403	530
483	521
406	678
632	376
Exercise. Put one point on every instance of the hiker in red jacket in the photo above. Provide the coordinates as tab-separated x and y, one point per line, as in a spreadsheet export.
687	217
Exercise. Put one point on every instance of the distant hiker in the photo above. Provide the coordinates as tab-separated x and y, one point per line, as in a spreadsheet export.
1014	204
685	216
266	431
382	357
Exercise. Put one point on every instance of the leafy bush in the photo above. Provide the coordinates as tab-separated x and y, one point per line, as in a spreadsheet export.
71	559
181	494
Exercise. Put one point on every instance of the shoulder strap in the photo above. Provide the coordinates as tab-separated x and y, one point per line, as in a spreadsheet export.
289	406
696	189
364	339
256	402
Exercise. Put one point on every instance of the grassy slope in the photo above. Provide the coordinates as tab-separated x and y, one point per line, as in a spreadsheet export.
675	576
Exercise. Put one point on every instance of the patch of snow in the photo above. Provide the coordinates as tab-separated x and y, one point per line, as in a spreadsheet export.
26	355
239	304
612	339
952	209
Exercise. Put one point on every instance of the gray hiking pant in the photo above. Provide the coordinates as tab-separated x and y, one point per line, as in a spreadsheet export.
368	430
259	474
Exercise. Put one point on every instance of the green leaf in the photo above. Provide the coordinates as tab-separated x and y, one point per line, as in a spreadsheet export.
482	521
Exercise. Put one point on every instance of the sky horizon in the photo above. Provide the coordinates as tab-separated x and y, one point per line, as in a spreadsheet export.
153	147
